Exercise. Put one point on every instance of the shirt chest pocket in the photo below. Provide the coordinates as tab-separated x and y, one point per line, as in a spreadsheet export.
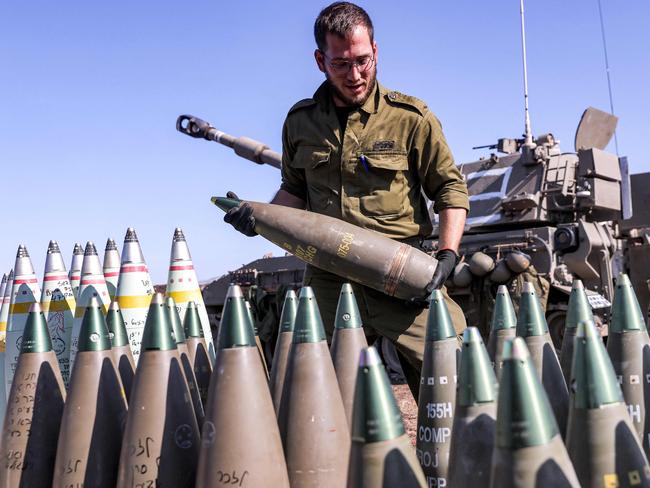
316	161
382	184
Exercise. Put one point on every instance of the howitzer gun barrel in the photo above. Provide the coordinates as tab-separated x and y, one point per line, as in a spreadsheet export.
244	147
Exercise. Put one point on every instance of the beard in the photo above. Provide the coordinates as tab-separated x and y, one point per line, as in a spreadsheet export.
359	100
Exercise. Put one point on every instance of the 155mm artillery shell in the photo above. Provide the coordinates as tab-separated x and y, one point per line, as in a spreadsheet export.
24	293
528	451
241	442
314	431
258	342
4	316
348	341
504	327
532	327
31	425
197	350
111	267
183	285
601	439
58	305
472	435
161	438
381	453
183	354
134	290
437	393
88	450
92	284
579	311
121	351
357	254
74	275
628	346
282	346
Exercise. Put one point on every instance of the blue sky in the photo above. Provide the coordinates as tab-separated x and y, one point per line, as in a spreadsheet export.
89	93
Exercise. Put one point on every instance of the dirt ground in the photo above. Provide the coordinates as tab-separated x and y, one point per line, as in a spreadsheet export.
409	409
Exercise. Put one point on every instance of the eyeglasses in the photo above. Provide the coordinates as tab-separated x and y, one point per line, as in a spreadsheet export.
343	66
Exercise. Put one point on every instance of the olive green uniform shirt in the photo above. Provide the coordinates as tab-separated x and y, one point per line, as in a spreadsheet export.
393	151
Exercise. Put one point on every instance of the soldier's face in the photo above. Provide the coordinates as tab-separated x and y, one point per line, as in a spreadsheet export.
351	86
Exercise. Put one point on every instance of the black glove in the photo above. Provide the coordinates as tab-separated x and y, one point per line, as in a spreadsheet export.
447	260
241	217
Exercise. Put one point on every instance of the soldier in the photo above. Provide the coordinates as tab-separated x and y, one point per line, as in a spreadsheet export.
368	155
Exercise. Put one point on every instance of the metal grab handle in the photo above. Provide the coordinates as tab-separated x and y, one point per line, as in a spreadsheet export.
193	126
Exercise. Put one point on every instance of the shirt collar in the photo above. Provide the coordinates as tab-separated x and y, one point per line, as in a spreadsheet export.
323	97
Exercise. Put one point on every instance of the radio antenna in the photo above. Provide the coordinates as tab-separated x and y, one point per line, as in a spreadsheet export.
528	133
609	81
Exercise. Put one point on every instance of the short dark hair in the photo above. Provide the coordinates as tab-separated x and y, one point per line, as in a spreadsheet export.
340	18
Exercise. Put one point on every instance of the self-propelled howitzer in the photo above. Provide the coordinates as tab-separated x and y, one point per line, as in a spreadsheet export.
537	214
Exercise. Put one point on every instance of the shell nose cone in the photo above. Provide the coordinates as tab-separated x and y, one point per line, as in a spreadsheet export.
157	334
132	252
53	247
22	252
23	265
192	322
376	416
180	251
93	335
225	204
234	291
471	335
593	380
579	309
36	336
178	234
439	324
90	250
626	312
308	326
531	320
527	287
235	329
369	357
476	379
54	259
289	309
306	292
347	310
503	315
518	350
110	245
130	236
175	320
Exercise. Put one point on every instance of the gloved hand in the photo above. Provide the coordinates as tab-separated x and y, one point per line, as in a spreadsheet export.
447	260
241	217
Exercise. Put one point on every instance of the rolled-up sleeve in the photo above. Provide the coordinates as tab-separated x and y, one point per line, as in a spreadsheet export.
293	179
441	180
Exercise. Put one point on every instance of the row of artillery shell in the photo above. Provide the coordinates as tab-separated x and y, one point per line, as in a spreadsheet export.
507	439
601	445
99	443
65	296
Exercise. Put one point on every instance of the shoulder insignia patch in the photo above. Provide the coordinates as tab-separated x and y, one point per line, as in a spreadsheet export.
307	102
397	98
